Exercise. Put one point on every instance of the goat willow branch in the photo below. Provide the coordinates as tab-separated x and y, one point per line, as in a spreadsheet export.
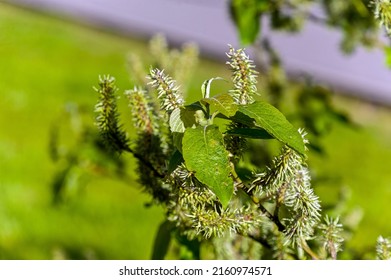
107	121
189	165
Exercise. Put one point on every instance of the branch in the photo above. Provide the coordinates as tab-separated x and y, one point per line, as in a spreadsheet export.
260	240
145	162
273	218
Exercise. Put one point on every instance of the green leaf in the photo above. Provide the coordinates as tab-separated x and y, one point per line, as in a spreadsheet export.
387	52
195	106
205	88
176	123
274	122
246	15
175	160
162	240
177	140
224	103
205	155
180	119
188	249
238	117
254	133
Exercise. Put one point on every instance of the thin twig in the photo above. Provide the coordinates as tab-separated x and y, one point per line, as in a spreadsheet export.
274	219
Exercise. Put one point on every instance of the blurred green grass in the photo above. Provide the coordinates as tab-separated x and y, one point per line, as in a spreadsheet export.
47	63
360	161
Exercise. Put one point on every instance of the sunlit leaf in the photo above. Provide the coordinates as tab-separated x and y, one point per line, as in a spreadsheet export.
205	155
224	103
181	118
274	122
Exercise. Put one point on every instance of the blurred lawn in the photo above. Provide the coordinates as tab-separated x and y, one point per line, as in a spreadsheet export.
360	160
47	63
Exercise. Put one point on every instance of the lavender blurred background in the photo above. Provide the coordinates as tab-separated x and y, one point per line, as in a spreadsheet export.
314	51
